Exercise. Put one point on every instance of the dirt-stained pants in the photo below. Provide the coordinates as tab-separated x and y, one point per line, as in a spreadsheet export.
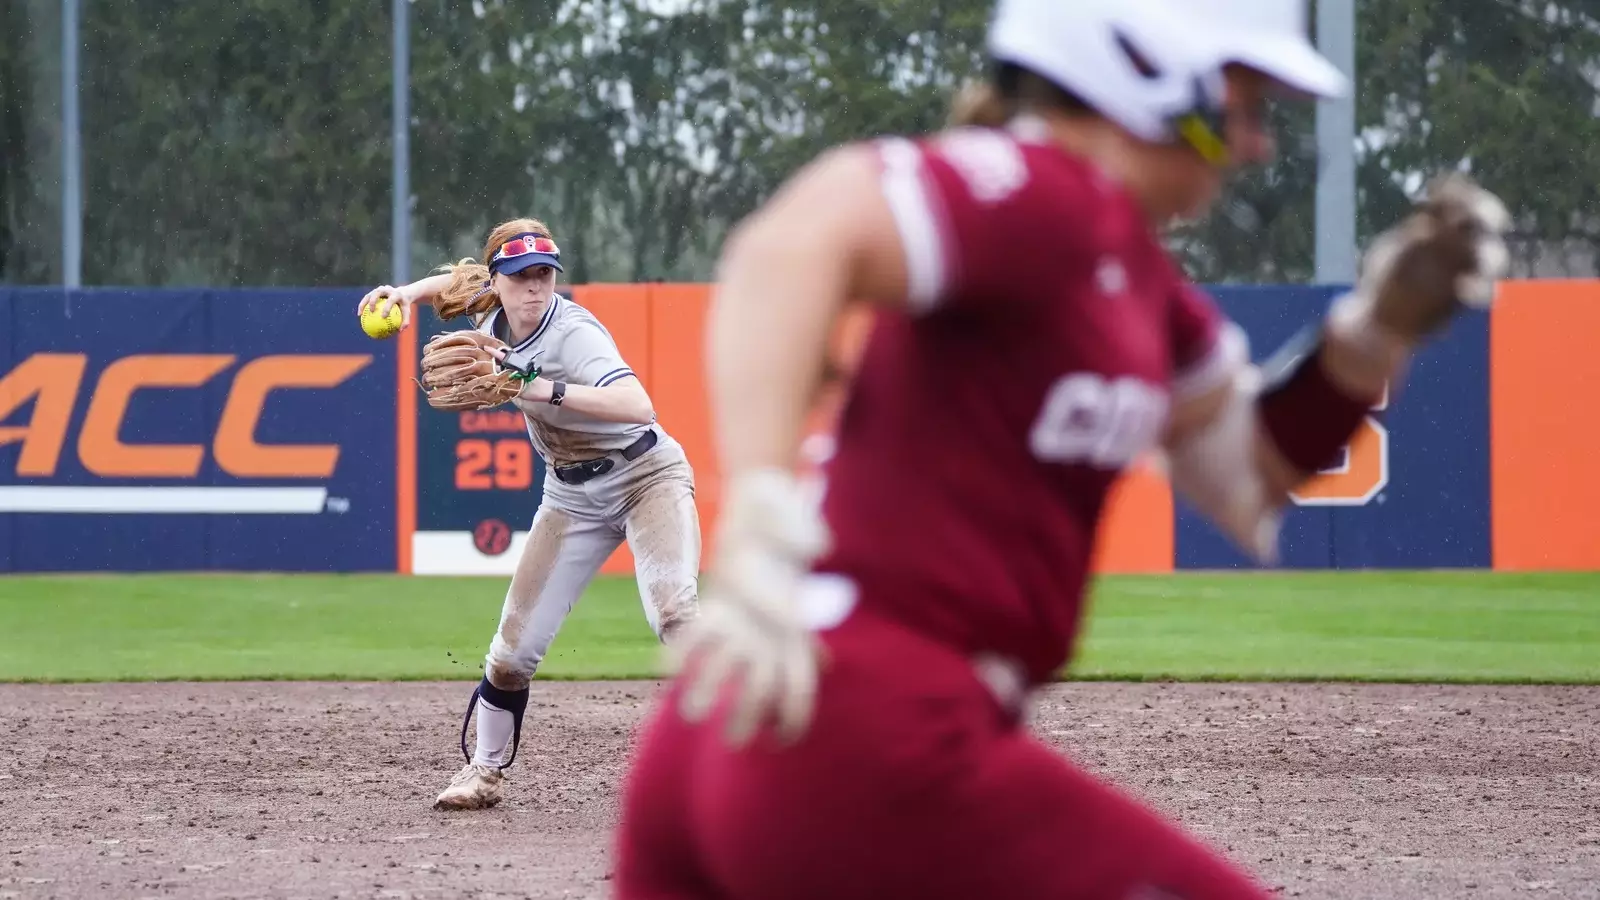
648	502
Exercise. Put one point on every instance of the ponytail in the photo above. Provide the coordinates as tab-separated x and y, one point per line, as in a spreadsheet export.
468	292
1009	91
980	105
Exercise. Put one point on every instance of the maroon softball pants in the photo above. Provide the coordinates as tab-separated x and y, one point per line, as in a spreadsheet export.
913	781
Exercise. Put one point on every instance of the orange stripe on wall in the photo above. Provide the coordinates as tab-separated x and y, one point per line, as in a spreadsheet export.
660	331
1137	528
1136	534
677	342
624	309
405	508
1543	367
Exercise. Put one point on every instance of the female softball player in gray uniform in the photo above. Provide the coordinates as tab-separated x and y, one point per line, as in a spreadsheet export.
612	474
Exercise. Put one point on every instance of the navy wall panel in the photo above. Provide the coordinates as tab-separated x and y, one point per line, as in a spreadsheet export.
210	518
1434	510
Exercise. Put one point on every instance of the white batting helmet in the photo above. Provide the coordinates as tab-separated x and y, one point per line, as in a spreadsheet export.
1155	66
1136	62
1269	36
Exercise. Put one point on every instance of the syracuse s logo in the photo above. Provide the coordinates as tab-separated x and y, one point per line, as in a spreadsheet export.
1361	474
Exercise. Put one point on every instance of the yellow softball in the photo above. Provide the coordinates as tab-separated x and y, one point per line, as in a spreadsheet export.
380	327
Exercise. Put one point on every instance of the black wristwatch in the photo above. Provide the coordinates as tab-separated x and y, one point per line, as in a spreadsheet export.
558	392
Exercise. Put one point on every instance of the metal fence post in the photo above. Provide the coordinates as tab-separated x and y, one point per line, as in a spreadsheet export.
71	151
400	238
1336	155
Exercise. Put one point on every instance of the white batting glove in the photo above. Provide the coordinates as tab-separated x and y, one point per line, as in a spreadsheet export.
749	634
1445	256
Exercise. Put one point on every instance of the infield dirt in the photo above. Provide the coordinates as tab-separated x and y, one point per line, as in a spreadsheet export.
324	790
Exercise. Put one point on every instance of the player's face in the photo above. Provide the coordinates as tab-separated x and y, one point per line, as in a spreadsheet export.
1184	183
529	288
1174	181
1249	136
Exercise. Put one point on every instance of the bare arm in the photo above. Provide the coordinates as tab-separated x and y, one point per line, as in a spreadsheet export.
621	401
1223	458
1191	416
785	275
384	297
826	238
426	290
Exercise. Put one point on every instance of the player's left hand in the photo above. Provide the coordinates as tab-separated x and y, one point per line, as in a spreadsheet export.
1446	256
749	635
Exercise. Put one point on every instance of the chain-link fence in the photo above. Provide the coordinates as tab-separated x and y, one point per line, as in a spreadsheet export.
249	142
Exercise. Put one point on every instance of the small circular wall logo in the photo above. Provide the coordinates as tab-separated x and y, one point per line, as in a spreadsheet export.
492	537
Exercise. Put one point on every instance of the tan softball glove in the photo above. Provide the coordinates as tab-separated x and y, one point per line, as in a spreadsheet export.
461	371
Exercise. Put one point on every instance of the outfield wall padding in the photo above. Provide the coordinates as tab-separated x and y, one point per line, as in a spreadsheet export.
261	430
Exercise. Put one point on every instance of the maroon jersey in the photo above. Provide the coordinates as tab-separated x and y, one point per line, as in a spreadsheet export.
1047	334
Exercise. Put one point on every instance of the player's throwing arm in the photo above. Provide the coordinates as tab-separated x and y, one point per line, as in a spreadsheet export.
612	472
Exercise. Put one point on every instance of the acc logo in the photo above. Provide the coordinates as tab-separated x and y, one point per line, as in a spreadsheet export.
51	381
1360	475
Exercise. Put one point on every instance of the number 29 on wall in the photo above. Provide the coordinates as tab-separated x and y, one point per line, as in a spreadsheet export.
483	465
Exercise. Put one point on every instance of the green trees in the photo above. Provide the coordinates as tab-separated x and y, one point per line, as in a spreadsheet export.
248	142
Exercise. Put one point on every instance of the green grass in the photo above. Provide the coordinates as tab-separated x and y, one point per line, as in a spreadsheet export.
1353	626
1444	626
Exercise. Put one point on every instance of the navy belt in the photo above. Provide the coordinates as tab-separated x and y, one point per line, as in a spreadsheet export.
578	473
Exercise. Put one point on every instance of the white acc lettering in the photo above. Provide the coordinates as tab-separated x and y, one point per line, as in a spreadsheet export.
1088	419
989	161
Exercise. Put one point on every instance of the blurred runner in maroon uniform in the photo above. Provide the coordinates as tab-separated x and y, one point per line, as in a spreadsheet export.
1034	341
